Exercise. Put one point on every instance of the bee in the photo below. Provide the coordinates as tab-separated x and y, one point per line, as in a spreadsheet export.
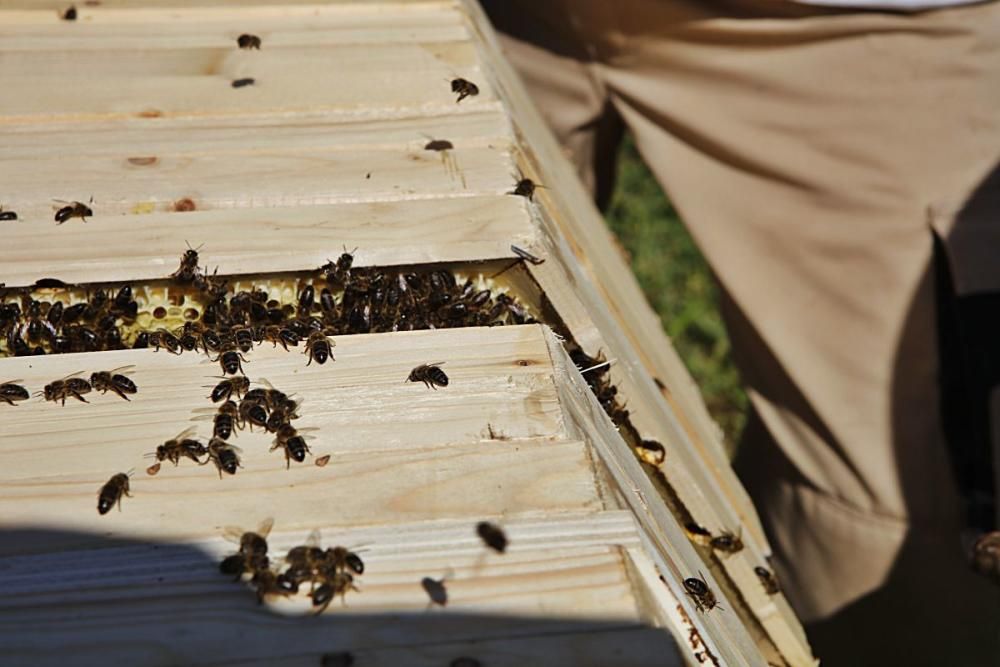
727	542
225	456
293	444
319	347
252	550
280	416
525	187
227	416
10	392
464	89
188	269
245	41
276	334
521	252
342	560
438	145
253	414
305	560
651	452
704	598
698	534
268	582
181	445
767	580
112	491
430	374
435	590
73	209
69	386
240	83
243	338
165	339
231	361
492	536
238	385
339	273
333	584
7	215
69	14
141	341
306	300
104	381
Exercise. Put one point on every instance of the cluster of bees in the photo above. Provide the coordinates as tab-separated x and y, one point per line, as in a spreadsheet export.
73	387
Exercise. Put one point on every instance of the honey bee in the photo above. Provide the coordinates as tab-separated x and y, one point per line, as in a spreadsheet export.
181	445
704	598
188	270
698	534
339	273
438	145
231	361
225	456
10	392
464	88
767	580
252	550
277	334
333	584
240	83
524	254
246	41
525	187
307	296
435	590
227	416
727	542
7	215
73	209
69	14
252	413
319	347
104	381
165	339
430	374
243	338
268	582
651	452
112	491
293	444
238	385
69	386
492	536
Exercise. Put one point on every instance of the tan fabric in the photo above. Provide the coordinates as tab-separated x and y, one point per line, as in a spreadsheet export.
809	151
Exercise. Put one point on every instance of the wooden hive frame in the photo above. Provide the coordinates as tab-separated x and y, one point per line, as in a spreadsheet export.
344	167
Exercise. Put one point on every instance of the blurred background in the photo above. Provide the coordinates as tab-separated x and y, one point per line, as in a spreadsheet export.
679	285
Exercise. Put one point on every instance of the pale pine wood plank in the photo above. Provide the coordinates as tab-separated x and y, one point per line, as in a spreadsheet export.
336	79
230	137
246	241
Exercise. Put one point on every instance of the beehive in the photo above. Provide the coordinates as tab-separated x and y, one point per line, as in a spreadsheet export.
132	104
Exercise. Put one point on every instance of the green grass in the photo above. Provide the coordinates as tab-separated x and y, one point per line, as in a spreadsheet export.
679	285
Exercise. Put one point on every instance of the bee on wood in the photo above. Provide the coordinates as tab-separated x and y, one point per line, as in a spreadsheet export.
69	14
268	582
464	88
305	560
104	381
7	215
651	452
435	590
333	584
225	419
767	580
698	534
430	374
67	387
293	444
210	285
525	187
231	361
243	338
438	145
319	347
492	536
252	551
225	456
246	41
73	209
112	491
165	339
253	414
223	391
11	392
180	446
240	83
343	559
727	542
704	598
281	415
188	269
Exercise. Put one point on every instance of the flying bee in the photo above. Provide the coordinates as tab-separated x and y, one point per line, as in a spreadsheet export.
104	381
69	386
430	374
223	391
73	209
767	580
319	347
112	491
704	598
10	392
225	456
727	542
188	270
525	187
246	41
7	215
241	83
231	361
492	536
292	442
464	88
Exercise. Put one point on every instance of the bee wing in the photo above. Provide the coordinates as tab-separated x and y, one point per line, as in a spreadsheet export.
186	433
313	539
125	370
264	529
205	414
234	448
71	375
62	201
265	382
233	534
